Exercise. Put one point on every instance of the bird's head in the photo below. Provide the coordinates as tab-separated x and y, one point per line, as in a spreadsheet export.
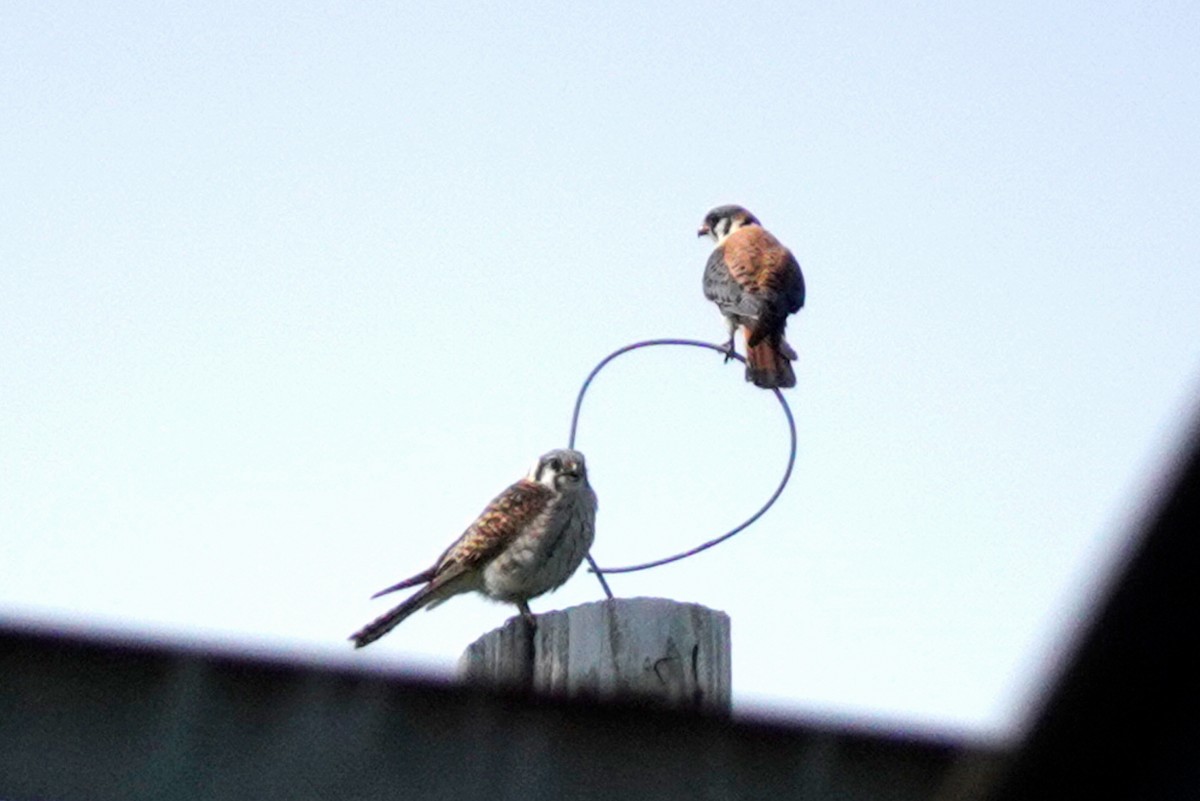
724	220
560	470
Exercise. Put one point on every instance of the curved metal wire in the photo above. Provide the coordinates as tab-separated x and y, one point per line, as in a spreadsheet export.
787	474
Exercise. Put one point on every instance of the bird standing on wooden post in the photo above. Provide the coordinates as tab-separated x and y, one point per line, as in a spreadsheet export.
756	283
529	540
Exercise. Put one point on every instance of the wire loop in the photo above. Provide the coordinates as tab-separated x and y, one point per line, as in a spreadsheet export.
600	572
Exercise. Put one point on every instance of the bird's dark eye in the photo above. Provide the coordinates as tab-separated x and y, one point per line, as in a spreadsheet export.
556	464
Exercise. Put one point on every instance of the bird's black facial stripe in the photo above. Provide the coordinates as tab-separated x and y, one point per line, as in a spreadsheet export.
554	464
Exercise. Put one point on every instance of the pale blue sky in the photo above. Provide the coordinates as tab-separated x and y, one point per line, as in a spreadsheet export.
288	293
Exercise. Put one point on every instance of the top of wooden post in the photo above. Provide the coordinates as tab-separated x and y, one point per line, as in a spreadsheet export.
651	649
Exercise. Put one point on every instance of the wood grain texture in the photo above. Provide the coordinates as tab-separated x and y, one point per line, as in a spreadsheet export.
647	649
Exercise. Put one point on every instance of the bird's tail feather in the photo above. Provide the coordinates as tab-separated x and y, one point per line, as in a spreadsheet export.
390	619
420	578
768	364
440	589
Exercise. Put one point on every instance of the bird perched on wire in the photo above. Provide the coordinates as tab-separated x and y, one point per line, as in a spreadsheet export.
529	540
756	283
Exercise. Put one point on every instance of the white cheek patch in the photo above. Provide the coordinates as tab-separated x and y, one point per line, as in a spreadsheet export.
547	477
724	228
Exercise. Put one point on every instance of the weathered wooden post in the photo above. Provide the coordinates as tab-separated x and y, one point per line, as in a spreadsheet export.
652	649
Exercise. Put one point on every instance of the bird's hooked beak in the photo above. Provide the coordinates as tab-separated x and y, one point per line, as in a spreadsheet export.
704	230
573	469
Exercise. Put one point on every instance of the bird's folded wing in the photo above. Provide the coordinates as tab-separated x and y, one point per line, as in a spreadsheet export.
502	521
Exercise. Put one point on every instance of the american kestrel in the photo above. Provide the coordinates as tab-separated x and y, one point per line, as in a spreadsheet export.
756	283
529	540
